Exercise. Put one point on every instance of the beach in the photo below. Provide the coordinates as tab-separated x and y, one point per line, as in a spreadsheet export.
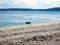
31	34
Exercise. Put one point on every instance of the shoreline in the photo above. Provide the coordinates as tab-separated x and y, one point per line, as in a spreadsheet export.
47	23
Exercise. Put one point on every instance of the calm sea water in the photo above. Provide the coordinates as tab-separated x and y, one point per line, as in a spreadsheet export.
10	18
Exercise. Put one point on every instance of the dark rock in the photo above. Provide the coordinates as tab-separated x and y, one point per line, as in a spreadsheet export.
28	23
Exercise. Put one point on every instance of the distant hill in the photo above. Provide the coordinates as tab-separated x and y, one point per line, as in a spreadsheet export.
24	9
54	9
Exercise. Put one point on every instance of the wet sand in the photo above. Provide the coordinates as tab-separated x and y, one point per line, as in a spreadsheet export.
34	34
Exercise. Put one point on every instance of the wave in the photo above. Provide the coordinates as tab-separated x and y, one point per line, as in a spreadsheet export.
32	17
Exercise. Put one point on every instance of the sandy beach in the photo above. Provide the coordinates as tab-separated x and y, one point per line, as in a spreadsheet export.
34	34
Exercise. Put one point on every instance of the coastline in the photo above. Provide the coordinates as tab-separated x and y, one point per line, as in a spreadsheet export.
38	34
26	25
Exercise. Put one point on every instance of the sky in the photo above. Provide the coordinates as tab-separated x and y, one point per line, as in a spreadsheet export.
35	4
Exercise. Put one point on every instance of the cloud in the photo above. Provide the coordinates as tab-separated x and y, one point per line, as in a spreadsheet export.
30	3
0	2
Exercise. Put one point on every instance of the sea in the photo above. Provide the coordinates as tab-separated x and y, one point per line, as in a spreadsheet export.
13	18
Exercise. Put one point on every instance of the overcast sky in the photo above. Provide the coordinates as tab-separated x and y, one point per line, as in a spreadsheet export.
41	4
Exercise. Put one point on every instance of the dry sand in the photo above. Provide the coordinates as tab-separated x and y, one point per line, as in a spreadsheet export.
35	34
